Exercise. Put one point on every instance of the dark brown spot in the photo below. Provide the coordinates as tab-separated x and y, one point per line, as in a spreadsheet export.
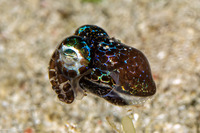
97	72
59	65
66	87
52	74
65	72
84	62
55	87
104	66
51	64
54	82
58	91
100	53
94	77
62	79
61	97
69	97
105	78
104	59
72	73
82	70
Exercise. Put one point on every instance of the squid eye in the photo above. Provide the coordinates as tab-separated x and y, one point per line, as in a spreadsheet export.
69	56
70	53
75	49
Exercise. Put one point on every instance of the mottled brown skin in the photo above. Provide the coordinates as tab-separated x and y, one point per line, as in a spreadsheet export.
56	77
63	77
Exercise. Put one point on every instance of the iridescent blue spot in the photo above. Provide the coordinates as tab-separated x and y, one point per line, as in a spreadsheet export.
142	71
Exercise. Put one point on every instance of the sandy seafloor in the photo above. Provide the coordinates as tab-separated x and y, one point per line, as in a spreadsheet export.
168	32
